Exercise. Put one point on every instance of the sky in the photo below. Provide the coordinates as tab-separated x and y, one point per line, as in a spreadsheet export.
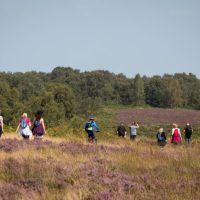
149	37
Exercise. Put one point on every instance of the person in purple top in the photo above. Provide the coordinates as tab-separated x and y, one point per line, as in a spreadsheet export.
38	125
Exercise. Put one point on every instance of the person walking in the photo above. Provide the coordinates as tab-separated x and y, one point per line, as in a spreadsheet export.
133	130
90	127
1	124
39	128
188	133
161	137
176	134
121	130
23	128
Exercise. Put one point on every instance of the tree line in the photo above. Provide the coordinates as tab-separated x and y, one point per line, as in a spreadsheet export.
66	92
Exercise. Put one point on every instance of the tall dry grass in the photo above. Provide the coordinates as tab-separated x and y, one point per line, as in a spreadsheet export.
116	169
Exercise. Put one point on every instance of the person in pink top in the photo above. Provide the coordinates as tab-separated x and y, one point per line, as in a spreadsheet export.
176	134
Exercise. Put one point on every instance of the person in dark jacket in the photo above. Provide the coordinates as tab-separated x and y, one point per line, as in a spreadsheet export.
121	130
161	137
188	133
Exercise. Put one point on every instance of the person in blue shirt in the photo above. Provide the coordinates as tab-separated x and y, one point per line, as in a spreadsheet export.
161	137
90	128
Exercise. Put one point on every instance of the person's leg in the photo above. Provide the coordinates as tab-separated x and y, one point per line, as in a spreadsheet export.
189	140
90	137
132	137
94	137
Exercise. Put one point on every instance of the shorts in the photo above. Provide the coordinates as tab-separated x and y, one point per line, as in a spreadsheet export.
121	134
91	134
25	136
132	137
38	134
187	136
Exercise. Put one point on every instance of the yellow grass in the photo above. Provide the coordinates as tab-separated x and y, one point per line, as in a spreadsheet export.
169	168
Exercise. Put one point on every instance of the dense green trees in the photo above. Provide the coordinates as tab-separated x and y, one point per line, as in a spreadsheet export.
66	92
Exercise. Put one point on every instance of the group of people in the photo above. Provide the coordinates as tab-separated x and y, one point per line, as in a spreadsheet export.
161	136
27	131
121	130
176	136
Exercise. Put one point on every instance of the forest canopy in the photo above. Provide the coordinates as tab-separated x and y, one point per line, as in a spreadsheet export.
66	92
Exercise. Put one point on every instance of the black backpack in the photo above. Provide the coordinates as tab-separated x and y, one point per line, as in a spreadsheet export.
121	131
188	130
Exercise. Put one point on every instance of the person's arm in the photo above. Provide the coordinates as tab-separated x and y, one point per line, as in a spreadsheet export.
85	127
42	121
125	132
96	126
180	133
17	130
29	122
2	123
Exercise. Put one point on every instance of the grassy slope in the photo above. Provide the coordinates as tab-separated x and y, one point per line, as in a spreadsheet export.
113	169
68	168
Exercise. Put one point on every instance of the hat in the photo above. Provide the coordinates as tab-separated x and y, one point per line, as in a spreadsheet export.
91	117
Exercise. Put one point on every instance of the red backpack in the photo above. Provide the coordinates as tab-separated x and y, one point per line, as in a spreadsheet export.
176	132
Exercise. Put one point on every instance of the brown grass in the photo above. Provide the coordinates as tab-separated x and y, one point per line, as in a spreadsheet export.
119	170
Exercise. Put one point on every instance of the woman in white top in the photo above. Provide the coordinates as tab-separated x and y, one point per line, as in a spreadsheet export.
133	131
23	128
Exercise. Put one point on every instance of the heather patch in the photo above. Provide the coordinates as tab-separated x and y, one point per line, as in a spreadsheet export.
119	171
13	145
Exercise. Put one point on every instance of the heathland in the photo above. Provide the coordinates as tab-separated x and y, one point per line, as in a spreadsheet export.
66	167
63	166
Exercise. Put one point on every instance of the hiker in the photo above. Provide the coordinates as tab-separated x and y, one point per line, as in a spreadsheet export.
90	127
161	137
188	133
38	125
176	134
121	130
1	124
23	128
133	130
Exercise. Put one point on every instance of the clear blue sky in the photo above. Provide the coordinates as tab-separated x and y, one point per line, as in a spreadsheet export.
150	37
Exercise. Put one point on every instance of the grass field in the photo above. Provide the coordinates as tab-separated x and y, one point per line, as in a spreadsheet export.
67	168
118	169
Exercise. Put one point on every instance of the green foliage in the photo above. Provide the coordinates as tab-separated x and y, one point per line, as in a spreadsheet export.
138	90
66	92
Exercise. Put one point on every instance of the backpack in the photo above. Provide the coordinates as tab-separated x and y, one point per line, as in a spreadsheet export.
23	124
160	137
36	123
176	132
121	131
88	126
